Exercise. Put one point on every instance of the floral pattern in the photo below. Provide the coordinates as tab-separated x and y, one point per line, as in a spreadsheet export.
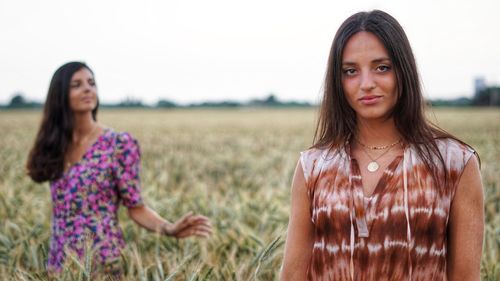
86	199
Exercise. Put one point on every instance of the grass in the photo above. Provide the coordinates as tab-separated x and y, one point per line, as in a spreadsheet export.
234	166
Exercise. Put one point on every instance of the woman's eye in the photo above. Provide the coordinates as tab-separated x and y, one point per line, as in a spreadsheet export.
91	82
349	71
383	68
74	85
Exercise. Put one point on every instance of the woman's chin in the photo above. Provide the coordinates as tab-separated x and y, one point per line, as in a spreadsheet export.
83	110
373	116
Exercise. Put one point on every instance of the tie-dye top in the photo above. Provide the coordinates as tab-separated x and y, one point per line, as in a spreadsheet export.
406	217
86	199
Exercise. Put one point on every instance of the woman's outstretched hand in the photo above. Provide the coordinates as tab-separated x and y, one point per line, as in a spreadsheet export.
188	225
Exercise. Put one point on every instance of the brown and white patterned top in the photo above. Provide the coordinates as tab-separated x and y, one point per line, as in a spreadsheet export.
406	223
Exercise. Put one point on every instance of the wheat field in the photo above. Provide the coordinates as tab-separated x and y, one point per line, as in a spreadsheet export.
234	166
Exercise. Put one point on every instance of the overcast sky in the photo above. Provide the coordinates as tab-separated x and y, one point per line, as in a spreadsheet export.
189	51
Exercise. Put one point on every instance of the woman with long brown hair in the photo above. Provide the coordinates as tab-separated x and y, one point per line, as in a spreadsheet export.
91	169
383	194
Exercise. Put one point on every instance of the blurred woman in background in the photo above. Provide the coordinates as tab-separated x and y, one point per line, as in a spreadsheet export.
91	169
383	194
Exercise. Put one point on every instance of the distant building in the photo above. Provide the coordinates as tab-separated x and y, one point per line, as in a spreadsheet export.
479	85
484	94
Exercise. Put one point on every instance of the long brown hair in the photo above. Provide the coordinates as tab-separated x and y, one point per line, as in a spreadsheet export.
337	120
46	158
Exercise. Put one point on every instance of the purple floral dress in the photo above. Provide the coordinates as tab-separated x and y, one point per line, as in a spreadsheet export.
86	199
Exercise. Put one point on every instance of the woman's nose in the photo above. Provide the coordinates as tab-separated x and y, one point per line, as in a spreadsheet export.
367	81
88	87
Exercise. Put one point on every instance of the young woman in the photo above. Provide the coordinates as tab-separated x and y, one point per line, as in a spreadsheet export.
382	194
91	169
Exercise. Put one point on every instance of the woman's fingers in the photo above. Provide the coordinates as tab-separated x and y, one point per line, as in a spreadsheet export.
183	222
197	226
202	228
184	218
195	231
189	225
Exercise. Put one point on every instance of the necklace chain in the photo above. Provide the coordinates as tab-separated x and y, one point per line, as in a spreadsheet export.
374	147
378	157
373	165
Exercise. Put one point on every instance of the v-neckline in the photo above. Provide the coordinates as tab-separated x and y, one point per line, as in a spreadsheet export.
358	197
84	156
391	168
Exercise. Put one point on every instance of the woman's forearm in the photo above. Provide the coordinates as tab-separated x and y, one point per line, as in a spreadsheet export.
148	218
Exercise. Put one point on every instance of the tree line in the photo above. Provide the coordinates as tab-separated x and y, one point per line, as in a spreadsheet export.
18	101
489	96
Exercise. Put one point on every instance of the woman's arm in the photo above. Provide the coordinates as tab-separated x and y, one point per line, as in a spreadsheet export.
186	226
300	233
466	226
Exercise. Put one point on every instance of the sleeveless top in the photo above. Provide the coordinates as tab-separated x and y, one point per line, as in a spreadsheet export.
400	233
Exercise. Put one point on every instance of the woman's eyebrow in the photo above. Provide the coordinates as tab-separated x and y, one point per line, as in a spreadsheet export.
377	60
383	59
348	63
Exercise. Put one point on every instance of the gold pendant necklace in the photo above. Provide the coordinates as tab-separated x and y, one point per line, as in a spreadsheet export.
373	165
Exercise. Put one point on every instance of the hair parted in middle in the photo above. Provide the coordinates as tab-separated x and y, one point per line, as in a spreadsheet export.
337	120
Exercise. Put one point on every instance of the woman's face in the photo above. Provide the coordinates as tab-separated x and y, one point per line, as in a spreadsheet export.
82	92
368	77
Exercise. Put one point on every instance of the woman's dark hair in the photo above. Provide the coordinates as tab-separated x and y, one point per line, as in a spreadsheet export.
337	120
46	158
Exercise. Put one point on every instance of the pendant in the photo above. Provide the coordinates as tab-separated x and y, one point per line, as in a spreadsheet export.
372	166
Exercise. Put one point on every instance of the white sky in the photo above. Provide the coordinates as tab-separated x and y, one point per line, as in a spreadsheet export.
190	51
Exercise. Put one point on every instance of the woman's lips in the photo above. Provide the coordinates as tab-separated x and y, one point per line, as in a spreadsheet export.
369	100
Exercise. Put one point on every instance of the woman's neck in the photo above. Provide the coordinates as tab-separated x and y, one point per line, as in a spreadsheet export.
377	133
83	126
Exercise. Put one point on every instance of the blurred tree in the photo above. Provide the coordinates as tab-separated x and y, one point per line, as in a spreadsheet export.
131	102
17	101
166	104
271	100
